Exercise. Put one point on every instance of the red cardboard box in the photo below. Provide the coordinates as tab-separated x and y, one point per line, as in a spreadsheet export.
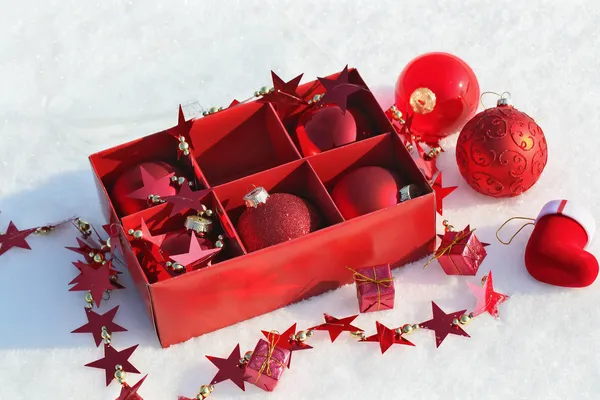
249	145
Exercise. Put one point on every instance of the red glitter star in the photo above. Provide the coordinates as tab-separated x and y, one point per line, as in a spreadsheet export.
386	337
14	238
442	324
284	95
283	341
488	300
151	185
131	392
97	321
96	280
195	254
336	326
229	368
338	90
440	192
111	359
186	199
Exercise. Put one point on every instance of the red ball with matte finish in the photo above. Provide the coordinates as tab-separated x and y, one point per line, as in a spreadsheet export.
324	128
365	190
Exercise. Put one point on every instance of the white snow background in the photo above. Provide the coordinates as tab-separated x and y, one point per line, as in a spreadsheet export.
78	76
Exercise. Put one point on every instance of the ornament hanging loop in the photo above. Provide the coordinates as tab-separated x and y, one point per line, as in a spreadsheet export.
532	222
503	98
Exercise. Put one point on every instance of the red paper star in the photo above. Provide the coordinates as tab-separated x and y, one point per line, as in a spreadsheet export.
111	359
156	240
195	254
336	326
488	300
229	368
182	129
283	341
442	324
97	321
386	337
84	248
440	192
428	166
130	392
113	230
14	238
186	199
96	280
81	265
284	95
338	90
151	185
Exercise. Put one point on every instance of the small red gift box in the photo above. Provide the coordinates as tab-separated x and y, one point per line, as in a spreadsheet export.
265	367
374	288
460	253
249	145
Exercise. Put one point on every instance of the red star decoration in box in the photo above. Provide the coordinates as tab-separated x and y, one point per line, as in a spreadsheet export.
488	299
284	96
386	337
196	253
186	199
97	321
283	341
337	90
131	392
443	325
335	326
96	280
151	185
13	237
440	192
111	359
229	368
113	230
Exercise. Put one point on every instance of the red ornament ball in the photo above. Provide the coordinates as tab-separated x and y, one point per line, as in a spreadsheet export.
365	190
501	152
275	218
324	128
131	180
441	92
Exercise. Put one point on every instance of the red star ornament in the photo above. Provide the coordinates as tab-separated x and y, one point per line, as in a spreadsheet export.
111	359
337	90
97	321
156	240
96	280
386	337
284	96
113	230
283	341
488	299
131	392
14	238
229	368
336	326
151	185
182	129
195	254
440	192
84	248
442	324
186	199
81	265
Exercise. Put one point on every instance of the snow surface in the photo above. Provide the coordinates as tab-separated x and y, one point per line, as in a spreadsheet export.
77	77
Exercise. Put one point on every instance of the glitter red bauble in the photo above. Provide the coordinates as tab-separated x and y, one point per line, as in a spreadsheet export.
281	218
440	91
365	190
501	152
131	180
324	128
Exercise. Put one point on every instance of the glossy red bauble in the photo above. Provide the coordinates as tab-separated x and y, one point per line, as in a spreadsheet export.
323	128
440	91
365	190
501	152
281	218
131	180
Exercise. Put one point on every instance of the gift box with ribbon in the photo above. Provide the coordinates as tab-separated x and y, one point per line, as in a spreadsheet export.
460	252
374	288
267	363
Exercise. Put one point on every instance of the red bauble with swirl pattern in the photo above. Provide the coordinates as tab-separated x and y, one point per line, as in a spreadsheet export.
501	152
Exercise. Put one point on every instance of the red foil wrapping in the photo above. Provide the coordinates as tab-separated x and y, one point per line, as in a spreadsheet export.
267	364
460	253
374	288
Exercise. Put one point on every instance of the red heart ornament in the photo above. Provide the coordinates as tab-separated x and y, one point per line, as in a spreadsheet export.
555	252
